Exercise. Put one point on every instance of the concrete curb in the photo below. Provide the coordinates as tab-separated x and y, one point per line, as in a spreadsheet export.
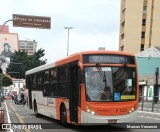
149	112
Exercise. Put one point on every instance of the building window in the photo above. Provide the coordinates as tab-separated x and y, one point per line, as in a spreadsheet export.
143	35
142	47
123	24
144	9
144	22
122	36
123	12
122	48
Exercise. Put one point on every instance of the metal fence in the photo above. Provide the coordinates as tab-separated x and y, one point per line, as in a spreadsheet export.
152	104
1	116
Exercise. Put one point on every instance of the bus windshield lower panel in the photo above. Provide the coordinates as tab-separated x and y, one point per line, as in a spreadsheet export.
114	84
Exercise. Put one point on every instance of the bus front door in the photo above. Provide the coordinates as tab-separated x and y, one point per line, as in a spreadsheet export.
73	96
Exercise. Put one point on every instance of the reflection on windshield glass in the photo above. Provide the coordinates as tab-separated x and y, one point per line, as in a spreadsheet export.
118	86
95	86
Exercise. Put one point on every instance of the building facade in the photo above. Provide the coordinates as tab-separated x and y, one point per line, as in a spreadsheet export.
17	87
147	61
29	46
8	43
139	25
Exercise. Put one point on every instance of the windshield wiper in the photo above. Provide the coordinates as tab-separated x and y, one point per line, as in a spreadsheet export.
101	73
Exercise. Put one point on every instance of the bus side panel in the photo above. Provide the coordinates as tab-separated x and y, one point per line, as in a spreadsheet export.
45	105
79	115
59	102
83	98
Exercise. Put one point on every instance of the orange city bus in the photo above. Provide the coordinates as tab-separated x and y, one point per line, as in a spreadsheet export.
86	87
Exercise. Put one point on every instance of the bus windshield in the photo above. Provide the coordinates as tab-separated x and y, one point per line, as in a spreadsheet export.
110	83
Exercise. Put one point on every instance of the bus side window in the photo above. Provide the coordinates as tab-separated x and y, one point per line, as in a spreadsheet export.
54	90
63	92
46	77
63	74
53	77
62	80
34	81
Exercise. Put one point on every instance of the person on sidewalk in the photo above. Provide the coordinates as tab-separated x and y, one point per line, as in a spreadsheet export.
22	99
12	96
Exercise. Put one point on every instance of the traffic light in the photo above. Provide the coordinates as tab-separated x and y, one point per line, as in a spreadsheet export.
157	71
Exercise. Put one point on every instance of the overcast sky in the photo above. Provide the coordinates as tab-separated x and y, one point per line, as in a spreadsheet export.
95	22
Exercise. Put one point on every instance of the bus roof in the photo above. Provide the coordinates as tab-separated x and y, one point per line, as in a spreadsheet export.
76	55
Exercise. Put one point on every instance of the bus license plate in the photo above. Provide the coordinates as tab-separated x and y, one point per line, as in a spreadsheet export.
112	121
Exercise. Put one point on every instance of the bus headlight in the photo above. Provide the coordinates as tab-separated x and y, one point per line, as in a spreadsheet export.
89	110
132	110
92	112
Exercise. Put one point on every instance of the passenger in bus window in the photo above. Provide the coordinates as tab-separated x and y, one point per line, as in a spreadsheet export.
106	93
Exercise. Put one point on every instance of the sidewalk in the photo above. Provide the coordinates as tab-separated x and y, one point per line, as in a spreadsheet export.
6	120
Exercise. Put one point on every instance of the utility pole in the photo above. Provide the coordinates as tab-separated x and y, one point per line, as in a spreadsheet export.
5	23
68	28
156	93
1	86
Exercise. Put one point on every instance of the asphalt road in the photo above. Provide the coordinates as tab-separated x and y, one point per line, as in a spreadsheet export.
19	114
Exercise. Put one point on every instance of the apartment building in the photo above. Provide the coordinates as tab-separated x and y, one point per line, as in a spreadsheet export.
139	25
29	46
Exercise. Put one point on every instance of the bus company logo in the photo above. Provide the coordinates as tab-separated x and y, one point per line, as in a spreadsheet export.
50	101
6	126
103	110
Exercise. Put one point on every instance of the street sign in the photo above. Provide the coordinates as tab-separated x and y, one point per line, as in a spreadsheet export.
31	21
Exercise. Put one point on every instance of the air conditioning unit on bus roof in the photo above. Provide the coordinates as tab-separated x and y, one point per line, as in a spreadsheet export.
101	48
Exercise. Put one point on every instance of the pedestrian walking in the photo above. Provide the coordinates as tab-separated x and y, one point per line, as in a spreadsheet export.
22	99
12	98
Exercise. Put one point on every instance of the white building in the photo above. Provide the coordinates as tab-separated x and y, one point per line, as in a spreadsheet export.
16	88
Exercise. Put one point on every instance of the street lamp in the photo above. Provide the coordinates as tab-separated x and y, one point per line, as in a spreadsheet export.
68	28
5	23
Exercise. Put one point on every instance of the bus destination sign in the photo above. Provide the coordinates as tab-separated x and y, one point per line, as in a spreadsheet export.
31	21
113	59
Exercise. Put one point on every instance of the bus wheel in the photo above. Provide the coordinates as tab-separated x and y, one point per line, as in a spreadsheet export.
63	115
35	109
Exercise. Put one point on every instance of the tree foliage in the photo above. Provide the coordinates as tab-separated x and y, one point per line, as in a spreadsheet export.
21	62
6	81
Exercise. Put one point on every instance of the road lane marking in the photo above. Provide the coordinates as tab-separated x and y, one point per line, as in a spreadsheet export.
12	108
149	117
19	118
9	121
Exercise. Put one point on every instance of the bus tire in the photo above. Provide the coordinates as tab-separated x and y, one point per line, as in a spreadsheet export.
35	109
63	115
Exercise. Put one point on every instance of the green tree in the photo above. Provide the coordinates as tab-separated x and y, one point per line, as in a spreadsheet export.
6	81
21	62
